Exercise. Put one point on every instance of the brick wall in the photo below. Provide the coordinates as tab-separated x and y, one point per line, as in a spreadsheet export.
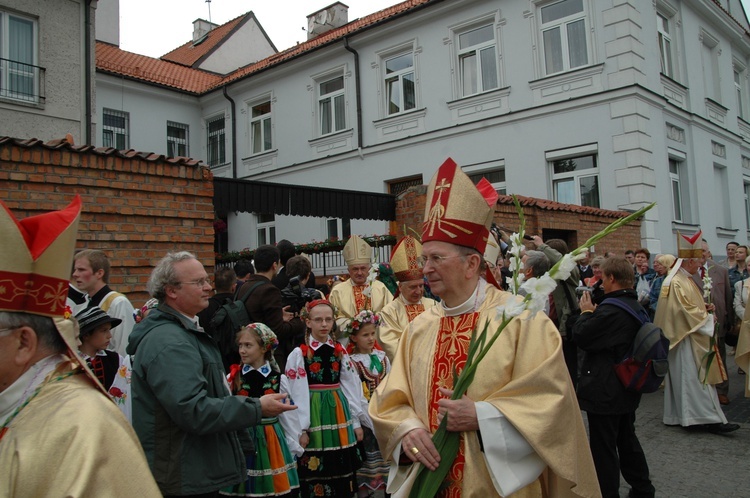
549	219
136	206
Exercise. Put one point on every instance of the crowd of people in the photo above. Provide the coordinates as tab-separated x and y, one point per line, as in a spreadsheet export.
338	391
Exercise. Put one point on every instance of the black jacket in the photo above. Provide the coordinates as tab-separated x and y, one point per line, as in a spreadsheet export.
606	336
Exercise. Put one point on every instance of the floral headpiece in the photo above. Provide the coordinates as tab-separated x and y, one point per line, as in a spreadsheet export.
140	314
268	339
364	317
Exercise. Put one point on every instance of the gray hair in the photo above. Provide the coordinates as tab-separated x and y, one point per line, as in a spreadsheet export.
164	274
538	262
46	332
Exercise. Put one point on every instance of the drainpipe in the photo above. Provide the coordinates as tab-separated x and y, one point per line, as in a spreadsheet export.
87	71
357	92
234	134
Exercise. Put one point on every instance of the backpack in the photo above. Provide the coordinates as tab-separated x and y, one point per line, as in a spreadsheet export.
644	366
230	318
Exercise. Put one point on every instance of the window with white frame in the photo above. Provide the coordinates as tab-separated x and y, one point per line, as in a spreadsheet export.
260	127
564	39
338	228
676	188
332	105
115	129
19	73
665	44
177	139
746	191
575	175
679	186
266	228
710	63
477	60
721	199
216	145
400	83
495	176
739	88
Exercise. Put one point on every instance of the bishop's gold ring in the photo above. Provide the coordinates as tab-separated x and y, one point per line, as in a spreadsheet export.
414	450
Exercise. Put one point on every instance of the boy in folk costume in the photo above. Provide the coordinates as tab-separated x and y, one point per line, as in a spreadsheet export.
60	432
521	389
357	294
410	301
690	398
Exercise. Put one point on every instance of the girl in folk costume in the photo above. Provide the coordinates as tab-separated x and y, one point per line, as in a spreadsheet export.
111	369
271	469
372	365
325	386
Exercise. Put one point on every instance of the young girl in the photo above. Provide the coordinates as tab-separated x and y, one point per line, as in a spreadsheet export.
372	365
271	470
325	386
112	370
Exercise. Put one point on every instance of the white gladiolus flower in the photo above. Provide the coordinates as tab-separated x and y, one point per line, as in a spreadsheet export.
537	303
564	268
514	306
539	287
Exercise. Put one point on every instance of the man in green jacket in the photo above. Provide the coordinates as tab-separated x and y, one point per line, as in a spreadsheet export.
191	428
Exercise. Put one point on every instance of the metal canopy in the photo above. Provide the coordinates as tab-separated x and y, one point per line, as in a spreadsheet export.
247	196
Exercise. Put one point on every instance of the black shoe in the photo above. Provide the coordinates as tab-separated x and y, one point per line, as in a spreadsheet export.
720	428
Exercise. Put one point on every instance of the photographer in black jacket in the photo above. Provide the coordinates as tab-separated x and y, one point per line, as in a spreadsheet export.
296	294
605	333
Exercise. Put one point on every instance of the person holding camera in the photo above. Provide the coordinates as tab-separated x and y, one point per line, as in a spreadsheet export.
296	295
264	304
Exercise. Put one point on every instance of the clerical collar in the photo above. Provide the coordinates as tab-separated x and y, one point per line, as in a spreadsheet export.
470	305
26	384
265	369
315	344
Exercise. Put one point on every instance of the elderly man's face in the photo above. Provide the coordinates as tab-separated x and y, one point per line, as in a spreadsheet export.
358	273
691	265
412	290
191	295
706	253
446	270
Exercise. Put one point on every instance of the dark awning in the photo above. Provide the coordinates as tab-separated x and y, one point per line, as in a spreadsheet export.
234	195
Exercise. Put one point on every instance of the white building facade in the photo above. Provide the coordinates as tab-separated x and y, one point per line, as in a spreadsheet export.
605	103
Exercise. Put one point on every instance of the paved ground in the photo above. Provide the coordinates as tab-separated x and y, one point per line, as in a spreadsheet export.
697	464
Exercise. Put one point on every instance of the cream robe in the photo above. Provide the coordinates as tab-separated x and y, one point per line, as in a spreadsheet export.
342	296
682	316
70	440
742	356
394	321
523	380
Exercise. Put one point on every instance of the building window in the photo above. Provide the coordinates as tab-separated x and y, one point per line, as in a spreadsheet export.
216	142
710	59
564	36
396	187
266	229
332	105
674	182
495	176
19	74
177	139
747	201
665	45
721	187
338	228
739	88
115	129
477	60
260	127
400	88
575	180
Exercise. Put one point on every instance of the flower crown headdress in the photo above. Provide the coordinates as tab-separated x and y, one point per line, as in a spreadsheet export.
364	317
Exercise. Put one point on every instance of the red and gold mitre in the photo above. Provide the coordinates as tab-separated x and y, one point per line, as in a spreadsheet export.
457	211
690	246
357	251
404	259
35	260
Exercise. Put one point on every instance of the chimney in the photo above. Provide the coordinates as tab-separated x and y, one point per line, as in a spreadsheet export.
328	18
201	27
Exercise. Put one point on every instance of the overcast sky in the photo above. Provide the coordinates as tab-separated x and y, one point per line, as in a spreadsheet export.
155	27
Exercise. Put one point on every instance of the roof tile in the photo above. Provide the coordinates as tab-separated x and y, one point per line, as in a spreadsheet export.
559	206
188	54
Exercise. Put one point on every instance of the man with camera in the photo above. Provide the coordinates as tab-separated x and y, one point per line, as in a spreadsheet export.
264	303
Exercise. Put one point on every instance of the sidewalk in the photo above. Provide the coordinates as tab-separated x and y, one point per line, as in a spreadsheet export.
696	464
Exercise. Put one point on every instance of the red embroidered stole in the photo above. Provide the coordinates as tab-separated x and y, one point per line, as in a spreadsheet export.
361	302
413	311
451	350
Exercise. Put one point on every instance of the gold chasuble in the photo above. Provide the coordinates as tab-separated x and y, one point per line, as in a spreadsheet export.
349	299
413	311
395	319
523	376
681	312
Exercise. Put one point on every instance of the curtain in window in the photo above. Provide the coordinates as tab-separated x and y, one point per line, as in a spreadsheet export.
339	109
489	68
577	44
553	51
21	55
325	117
